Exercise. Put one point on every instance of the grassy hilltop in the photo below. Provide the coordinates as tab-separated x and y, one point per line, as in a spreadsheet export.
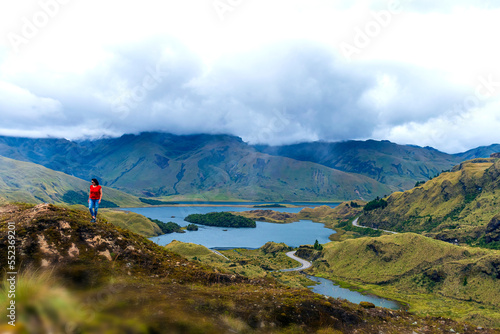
434	277
461	204
95	278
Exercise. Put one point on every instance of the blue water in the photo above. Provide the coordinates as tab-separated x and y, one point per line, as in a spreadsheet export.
329	288
293	234
300	204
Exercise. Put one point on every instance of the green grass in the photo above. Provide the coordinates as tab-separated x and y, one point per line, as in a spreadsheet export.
131	221
30	183
42	300
132	285
454	205
253	263
435	278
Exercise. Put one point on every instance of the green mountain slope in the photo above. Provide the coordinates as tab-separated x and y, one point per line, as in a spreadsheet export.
27	182
455	205
479	152
398	166
205	167
434	277
84	277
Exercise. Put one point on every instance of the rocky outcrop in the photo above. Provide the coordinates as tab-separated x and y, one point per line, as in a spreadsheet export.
493	230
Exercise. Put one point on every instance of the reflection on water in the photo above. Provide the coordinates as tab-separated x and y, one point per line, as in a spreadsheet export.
328	288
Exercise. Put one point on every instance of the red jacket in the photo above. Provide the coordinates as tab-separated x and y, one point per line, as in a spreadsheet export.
95	192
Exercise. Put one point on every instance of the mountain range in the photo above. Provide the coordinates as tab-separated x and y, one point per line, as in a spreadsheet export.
223	167
398	166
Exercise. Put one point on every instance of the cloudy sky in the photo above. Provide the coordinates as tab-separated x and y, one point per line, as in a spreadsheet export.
275	72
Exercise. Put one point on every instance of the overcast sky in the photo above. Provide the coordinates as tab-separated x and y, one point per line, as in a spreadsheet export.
416	72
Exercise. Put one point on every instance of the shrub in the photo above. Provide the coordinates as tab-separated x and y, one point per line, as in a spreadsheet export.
317	245
169	227
221	219
192	227
375	204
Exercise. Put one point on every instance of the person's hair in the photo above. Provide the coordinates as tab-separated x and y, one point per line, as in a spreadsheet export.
96	182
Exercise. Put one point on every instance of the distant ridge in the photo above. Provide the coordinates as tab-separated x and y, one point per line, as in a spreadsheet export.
398	166
206	167
28	182
479	152
196	167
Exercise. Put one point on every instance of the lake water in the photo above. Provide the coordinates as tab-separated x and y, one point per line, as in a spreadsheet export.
292	234
328	288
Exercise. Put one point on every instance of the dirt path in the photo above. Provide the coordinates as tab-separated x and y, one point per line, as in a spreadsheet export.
355	223
304	264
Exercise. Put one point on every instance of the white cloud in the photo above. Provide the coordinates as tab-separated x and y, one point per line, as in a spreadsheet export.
268	71
20	105
475	127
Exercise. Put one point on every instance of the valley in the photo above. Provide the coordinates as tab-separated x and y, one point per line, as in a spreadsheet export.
202	291
443	263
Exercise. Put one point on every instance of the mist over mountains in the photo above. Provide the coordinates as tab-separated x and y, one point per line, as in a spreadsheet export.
223	167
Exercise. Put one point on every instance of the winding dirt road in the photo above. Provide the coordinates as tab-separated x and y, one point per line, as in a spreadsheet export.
305	264
355	223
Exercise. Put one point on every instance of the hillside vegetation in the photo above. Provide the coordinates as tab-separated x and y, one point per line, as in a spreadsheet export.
460	204
398	166
434	277
220	219
31	183
204	167
131	221
97	278
223	167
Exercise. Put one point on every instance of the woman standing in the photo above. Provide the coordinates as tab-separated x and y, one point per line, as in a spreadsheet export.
95	197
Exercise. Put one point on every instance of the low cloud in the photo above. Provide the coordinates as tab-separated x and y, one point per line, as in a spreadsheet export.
451	133
283	93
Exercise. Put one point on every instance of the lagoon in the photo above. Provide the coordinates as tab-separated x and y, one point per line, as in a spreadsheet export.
292	234
328	288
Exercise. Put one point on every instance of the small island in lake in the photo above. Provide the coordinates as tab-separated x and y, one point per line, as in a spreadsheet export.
192	227
169	227
220	219
275	205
